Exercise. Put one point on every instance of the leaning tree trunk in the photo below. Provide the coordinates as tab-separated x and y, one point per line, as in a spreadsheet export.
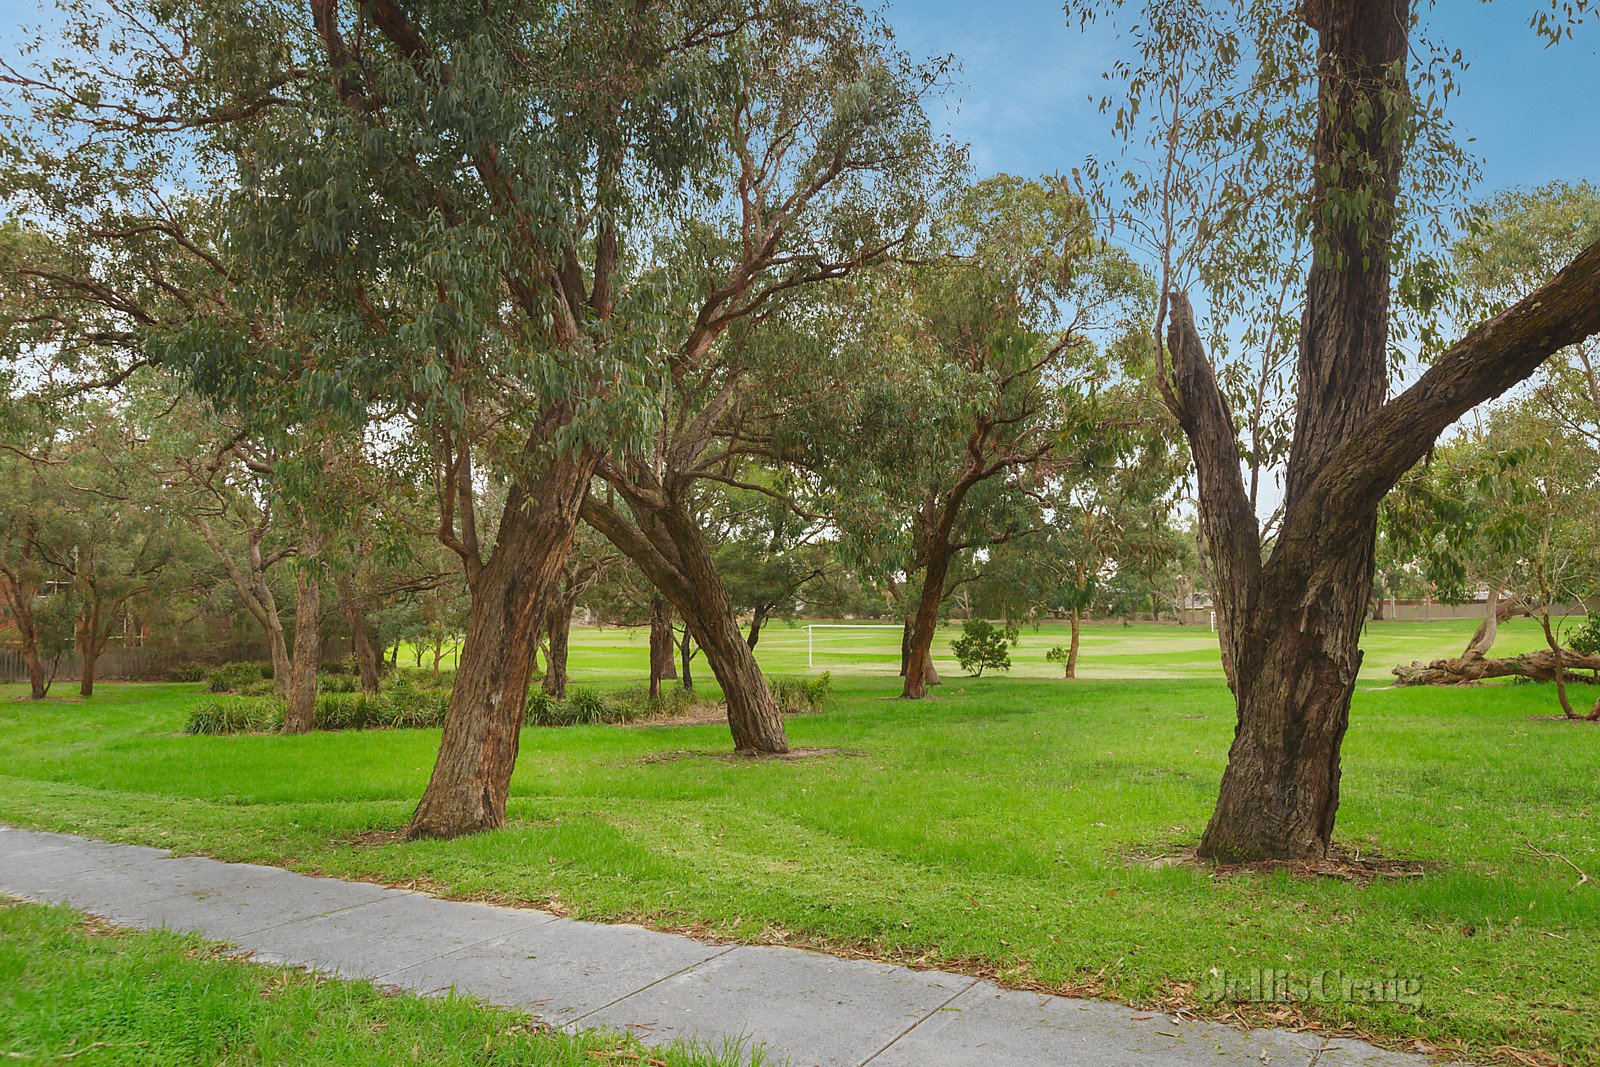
361	649
666	543
509	597
757	618
662	665
300	715
559	627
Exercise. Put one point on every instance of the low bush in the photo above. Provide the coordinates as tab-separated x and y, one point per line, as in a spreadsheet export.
232	677
189	672
983	644
337	683
403	708
585	707
795	696
266	687
235	715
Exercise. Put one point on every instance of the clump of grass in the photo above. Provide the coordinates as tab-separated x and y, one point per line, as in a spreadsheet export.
402	708
235	715
796	696
188	672
337	683
585	707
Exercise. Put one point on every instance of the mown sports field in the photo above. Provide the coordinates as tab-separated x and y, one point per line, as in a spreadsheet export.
1017	825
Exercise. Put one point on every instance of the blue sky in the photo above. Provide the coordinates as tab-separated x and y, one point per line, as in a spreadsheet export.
1022	99
1022	94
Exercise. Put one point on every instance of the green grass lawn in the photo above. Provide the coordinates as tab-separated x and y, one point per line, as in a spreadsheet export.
70	988
997	828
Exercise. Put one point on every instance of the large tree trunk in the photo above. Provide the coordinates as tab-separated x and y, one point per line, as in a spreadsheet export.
662	665
300	715
559	627
510	596
365	655
1290	629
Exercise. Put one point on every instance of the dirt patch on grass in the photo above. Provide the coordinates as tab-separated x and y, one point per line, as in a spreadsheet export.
749	757
1343	864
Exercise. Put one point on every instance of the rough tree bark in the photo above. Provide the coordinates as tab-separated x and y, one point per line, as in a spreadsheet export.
1290	626
17	590
662	663
300	715
510	594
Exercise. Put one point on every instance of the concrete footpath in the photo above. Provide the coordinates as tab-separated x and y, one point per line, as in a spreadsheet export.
802	1007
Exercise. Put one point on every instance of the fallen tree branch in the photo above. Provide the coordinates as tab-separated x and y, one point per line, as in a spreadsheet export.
1540	666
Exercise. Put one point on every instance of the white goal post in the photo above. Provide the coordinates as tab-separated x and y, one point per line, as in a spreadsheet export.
811	638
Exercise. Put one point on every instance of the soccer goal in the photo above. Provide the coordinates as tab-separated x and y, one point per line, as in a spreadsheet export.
811	638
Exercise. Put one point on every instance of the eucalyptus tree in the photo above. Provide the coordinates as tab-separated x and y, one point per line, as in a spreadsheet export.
827	166
1307	142
946	453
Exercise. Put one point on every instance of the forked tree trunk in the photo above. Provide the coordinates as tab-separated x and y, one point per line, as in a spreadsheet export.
361	649
1072	650
1290	627
300	715
559	628
509	597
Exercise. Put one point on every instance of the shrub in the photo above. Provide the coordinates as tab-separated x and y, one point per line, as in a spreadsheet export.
585	707
1059	654
263	688
235	715
1586	638
416	709
982	644
190	672
346	711
232	677
798	695
337	683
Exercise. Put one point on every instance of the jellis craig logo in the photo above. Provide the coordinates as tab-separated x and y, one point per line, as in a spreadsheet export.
1266	985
